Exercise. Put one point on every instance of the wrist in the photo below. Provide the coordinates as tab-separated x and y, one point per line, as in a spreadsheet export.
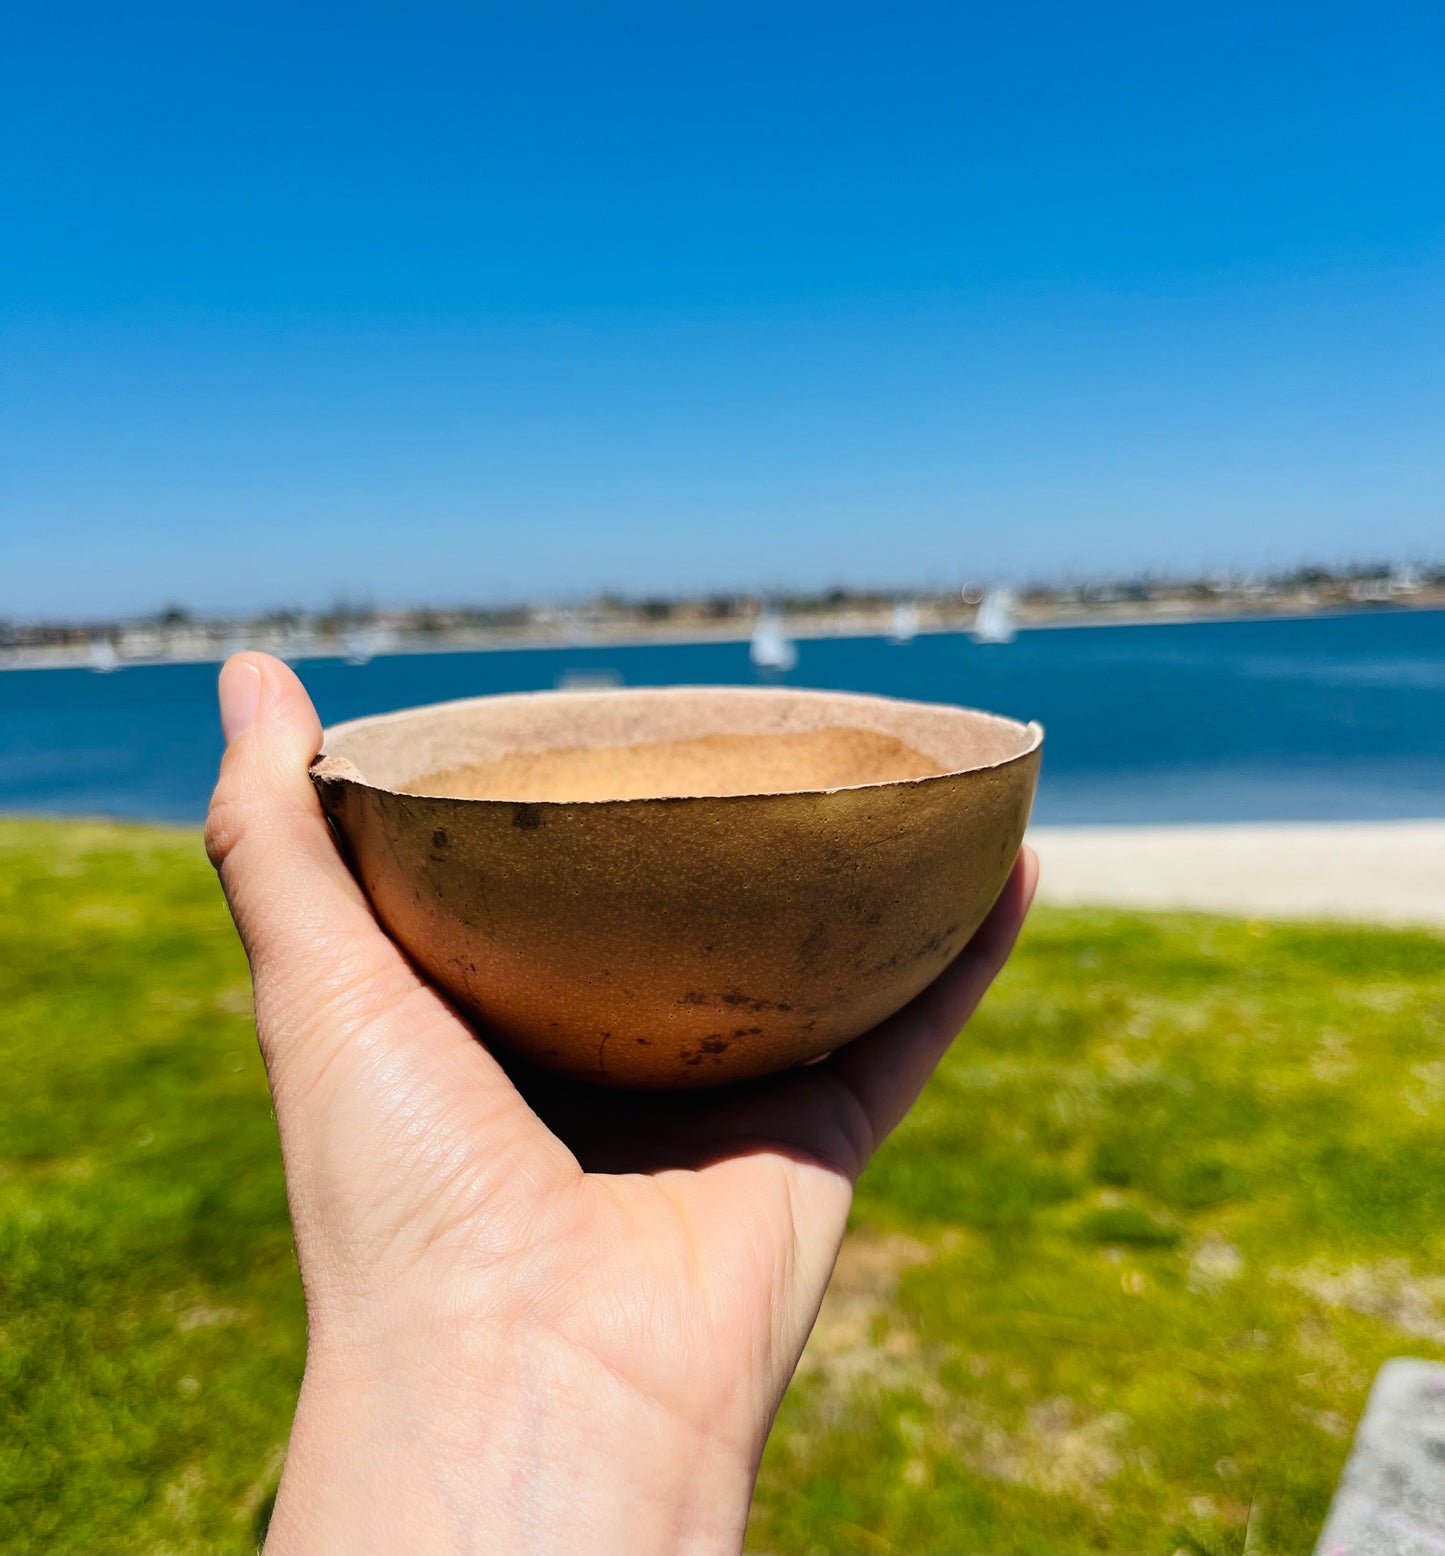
527	1446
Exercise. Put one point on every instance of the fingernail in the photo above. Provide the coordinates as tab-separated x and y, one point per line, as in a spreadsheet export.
239	691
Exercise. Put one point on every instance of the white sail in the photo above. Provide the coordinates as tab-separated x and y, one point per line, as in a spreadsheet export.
103	657
771	647
994	622
587	680
359	646
905	622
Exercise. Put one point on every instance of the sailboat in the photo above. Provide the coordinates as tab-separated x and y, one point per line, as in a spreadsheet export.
994	622
103	657
905	622
771	647
359	646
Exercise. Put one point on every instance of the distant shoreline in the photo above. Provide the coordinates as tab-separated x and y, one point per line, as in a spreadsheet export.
801	631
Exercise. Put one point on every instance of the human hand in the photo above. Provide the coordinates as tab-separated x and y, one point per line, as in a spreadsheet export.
542	1317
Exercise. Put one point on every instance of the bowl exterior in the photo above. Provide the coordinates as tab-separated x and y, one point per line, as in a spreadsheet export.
680	943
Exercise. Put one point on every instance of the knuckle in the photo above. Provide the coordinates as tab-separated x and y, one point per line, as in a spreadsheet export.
847	1138
224	826
855	1128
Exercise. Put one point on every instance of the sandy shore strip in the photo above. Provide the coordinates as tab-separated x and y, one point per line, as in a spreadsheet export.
1382	871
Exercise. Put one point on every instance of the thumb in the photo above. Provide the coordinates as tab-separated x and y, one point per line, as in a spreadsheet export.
303	920
340	1012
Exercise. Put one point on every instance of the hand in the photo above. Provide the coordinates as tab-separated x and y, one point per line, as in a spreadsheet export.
542	1317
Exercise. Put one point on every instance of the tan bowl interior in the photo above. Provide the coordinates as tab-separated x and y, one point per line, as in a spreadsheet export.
674	742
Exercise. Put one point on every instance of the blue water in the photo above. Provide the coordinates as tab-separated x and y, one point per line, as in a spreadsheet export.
1330	718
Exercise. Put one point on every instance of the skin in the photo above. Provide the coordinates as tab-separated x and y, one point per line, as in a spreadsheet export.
540	1317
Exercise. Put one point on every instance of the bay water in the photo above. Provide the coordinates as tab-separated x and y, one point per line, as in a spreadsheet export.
1320	718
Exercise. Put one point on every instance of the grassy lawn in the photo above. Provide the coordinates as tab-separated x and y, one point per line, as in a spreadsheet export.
1121	1283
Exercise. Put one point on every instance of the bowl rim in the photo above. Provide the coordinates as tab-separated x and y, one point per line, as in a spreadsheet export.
326	768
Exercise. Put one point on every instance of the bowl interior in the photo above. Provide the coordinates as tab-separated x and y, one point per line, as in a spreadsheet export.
673	742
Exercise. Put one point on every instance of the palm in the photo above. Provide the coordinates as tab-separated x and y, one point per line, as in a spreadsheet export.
432	1146
705	1221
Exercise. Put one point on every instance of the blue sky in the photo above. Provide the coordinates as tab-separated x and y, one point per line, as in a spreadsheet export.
441	303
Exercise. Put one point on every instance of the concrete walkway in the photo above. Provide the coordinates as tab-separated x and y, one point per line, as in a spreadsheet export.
1387	871
1391	1498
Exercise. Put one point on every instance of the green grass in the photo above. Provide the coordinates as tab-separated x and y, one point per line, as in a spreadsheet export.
1120	1283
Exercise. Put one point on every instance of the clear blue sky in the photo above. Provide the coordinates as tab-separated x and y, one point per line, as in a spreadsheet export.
430	303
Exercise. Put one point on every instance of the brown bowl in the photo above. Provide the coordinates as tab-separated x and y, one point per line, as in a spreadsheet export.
682	886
